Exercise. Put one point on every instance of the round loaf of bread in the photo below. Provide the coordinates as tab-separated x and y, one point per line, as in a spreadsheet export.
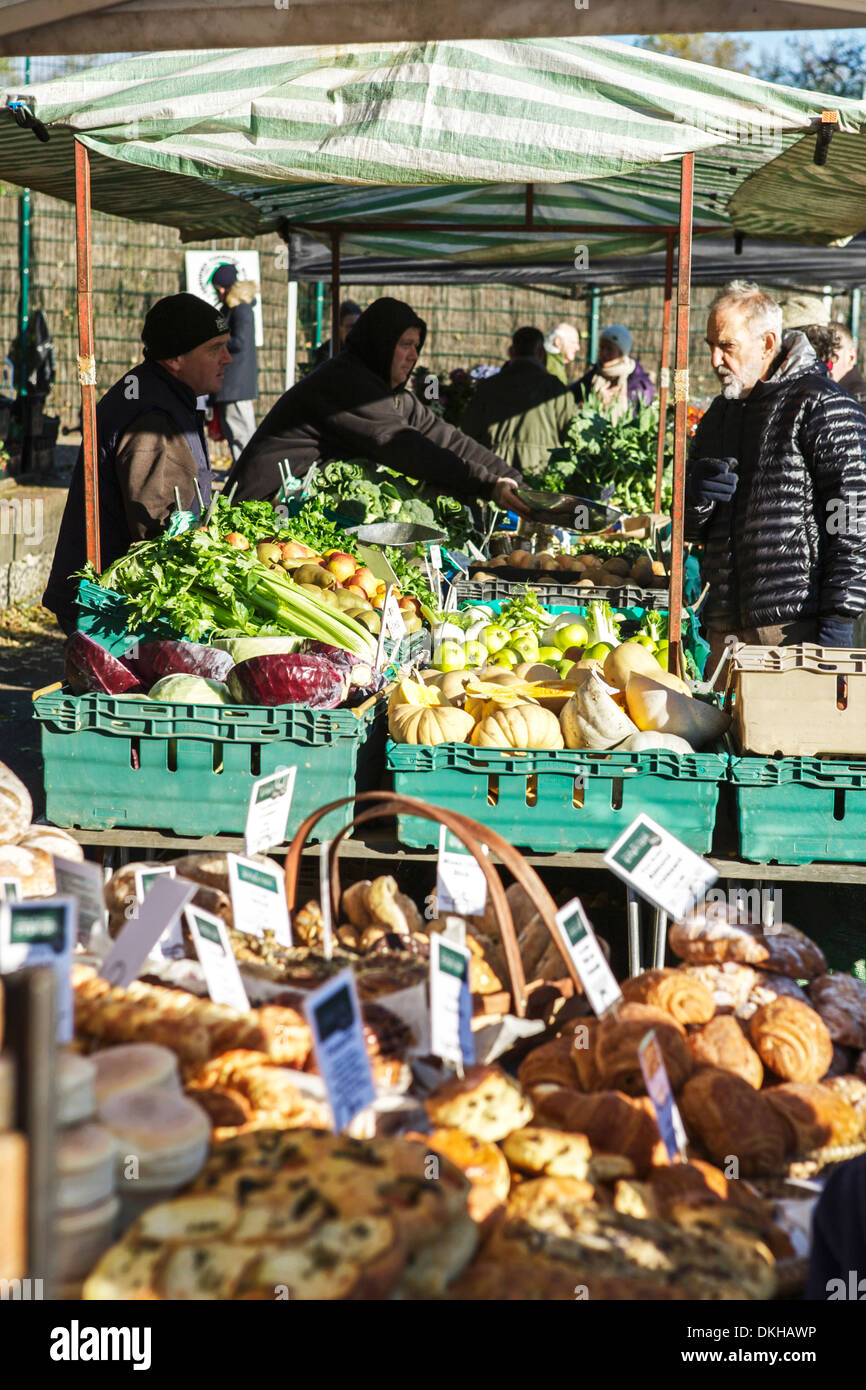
85	1166
16	807
34	869
53	841
162	1138
134	1067
484	1102
76	1088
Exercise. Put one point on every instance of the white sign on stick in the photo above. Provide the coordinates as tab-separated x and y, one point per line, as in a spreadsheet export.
581	942
451	1036
213	948
41	931
334	1016
268	813
660	867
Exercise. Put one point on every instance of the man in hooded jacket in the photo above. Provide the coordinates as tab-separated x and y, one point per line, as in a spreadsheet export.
358	405
234	401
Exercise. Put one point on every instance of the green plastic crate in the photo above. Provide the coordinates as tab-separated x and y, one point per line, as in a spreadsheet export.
535	801
188	768
799	810
103	616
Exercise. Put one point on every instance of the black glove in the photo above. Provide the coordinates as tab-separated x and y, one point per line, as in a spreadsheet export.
712	480
835	632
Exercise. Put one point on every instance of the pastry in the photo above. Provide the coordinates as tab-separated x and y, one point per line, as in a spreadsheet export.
548	1067
224	1107
766	988
616	1042
733	1121
483	1164
583	1056
542	1202
76	1095
841	1002
791	1040
484	1102
722	1043
85	1166
34	868
686	999
134	1067
730	982
709	938
850	1088
162	1138
818	1118
612	1122
80	1237
53	841
548	1152
16	806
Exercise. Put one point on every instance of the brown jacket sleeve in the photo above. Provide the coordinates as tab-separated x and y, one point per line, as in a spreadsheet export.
153	459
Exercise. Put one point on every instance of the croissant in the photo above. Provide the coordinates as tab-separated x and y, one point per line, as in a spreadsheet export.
548	1066
732	1120
678	994
722	1043
817	1118
616	1042
612	1122
792	1040
709	937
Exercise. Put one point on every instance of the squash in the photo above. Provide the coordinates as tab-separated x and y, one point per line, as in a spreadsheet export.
429	724
653	705
408	692
518	726
647	741
632	658
591	719
497	675
536	671
452	684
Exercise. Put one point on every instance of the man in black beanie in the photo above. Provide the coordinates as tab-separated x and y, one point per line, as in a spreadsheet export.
150	441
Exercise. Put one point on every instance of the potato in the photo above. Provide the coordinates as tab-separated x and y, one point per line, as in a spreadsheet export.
617	565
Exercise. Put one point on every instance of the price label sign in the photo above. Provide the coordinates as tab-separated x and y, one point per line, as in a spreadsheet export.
83	882
451	1036
460	883
258	894
10	890
458	561
334	1016
42	931
659	1091
171	942
160	910
581	942
392	617
268	813
213	948
436	557
660	867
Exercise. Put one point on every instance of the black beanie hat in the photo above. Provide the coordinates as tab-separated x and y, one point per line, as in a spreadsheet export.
379	330
179	323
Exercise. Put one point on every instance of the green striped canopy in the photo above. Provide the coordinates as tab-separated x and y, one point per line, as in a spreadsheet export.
230	142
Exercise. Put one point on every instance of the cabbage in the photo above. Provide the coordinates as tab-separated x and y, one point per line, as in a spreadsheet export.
193	690
245	648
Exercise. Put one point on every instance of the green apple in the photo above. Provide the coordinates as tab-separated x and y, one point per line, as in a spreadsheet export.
550	654
496	638
526	646
644	640
474	655
598	651
506	657
661	654
571	635
563	667
451	657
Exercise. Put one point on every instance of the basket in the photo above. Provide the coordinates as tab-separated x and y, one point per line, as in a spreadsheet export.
472	835
561	800
188	768
800	810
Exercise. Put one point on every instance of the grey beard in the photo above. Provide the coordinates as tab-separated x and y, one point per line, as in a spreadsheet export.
732	389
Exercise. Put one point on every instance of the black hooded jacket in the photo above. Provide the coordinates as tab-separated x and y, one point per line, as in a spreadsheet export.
347	408
792	543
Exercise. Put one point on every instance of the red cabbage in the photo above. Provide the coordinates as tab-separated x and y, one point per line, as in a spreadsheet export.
90	670
291	678
153	660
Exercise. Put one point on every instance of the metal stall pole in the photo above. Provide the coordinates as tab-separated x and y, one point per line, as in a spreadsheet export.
681	401
320	303
86	359
664	372
335	293
594	314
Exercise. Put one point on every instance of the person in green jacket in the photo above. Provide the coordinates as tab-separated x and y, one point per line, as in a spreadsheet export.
523	412
561	347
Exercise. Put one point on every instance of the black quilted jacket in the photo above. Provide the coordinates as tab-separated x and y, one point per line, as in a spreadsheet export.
781	549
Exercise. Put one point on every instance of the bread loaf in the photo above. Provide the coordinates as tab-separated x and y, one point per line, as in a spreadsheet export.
16	807
817	1117
612	1122
731	1120
709	938
52	841
722	1043
792	1040
616	1042
841	1002
686	999
34	868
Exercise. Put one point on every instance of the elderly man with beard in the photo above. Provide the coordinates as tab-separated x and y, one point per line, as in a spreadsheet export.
776	485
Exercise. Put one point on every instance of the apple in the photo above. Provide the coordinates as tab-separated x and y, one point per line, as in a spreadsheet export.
599	651
293	550
378	601
367	580
355	589
496	638
343	567
526	645
550	654
571	635
451	656
474	654
237	541
506	657
564	667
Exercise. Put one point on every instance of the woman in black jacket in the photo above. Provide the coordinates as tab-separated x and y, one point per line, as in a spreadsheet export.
357	405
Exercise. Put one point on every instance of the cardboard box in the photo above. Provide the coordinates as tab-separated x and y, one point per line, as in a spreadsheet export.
801	701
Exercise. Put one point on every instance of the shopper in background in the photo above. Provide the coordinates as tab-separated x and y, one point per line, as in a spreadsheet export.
522	412
561	347
350	312
151	442
844	368
233	403
775	468
617	381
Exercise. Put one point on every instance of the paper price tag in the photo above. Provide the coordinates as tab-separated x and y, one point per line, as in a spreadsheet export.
258	894
460	883
334	1016
660	867
451	1036
224	983
581	942
659	1091
10	890
160	909
393	619
436	557
268	813
83	882
41	931
170	943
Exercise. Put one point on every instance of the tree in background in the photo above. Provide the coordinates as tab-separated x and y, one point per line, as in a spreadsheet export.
719	50
827	66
